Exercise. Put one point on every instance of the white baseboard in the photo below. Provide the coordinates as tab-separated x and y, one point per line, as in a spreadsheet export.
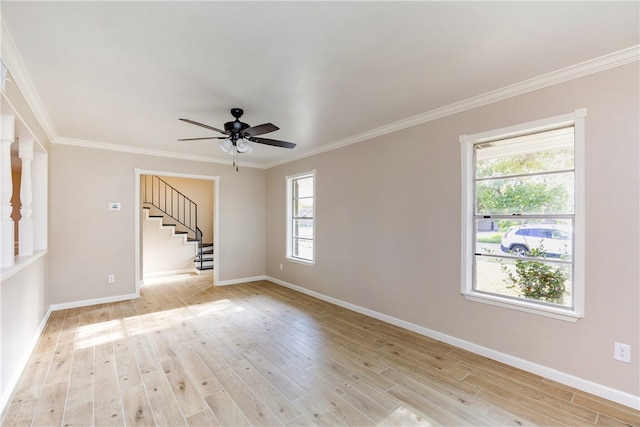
88	302
13	381
169	273
204	272
587	386
243	280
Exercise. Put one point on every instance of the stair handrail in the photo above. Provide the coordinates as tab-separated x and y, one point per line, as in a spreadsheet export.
152	195
199	239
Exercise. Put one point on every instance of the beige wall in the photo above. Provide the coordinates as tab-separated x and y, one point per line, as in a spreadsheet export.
388	230
23	308
163	252
83	182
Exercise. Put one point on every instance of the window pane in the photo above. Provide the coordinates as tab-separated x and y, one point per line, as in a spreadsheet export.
542	152
537	280
303	249
488	236
525	237
303	208
300	217
303	187
538	194
303	228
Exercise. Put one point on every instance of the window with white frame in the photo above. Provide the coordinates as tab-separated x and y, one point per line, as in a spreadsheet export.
301	217
523	216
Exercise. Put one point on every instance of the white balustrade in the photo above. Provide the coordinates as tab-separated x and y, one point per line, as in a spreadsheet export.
39	181
25	225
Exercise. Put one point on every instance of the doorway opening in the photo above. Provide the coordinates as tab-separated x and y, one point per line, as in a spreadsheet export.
165	217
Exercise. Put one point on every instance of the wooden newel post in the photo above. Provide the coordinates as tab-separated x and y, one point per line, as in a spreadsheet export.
7	136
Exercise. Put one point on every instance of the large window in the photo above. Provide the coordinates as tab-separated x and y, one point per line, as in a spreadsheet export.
301	217
523	216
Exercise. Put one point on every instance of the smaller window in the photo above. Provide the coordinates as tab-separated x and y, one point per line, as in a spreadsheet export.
301	217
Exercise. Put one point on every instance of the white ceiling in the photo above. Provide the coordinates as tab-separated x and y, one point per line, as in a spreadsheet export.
123	72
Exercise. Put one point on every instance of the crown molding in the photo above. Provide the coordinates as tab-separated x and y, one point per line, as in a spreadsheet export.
149	152
612	60
22	79
22	124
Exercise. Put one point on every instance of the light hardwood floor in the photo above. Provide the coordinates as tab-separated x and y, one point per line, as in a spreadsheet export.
189	353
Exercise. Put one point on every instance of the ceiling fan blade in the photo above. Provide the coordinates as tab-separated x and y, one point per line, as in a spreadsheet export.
208	137
273	142
260	129
203	125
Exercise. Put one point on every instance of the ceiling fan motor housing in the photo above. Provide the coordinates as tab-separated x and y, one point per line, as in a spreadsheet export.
235	127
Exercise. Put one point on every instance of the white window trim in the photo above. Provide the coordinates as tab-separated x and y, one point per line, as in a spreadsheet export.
576	119
289	245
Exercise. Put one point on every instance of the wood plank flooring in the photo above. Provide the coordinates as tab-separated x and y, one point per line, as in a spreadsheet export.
191	354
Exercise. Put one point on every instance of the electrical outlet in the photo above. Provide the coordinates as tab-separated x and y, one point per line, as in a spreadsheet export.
111	278
622	352
281	266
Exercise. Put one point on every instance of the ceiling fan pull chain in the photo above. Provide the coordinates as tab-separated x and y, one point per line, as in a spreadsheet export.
235	158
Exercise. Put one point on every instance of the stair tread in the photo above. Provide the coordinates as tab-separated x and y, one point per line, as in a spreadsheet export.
181	233
206	267
203	259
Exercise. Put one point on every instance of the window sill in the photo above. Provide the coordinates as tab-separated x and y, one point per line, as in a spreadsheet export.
21	262
301	261
527	307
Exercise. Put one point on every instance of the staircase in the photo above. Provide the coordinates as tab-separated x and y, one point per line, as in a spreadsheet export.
176	210
204	259
166	250
175	231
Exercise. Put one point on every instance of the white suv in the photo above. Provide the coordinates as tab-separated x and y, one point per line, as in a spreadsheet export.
555	242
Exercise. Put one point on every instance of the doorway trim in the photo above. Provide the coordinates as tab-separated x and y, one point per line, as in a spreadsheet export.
139	279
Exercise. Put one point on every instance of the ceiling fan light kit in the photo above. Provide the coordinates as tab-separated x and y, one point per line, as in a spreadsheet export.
238	135
226	146
243	147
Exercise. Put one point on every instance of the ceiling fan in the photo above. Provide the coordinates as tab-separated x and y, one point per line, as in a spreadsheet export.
238	133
